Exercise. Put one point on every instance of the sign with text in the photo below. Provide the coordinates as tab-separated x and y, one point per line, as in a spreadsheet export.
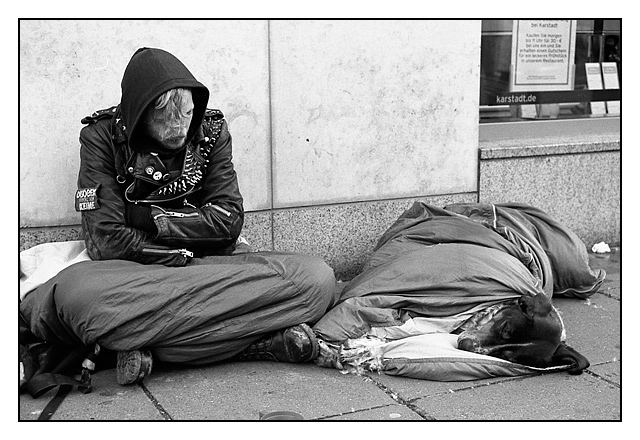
542	55
610	76
594	82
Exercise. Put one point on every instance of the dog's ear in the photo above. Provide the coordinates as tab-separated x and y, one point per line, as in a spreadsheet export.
535	305
566	355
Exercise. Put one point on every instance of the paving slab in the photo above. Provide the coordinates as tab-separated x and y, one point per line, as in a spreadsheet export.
107	401
609	372
398	413
548	397
610	262
241	390
593	326
410	389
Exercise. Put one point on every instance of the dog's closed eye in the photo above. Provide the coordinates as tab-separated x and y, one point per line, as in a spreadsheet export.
523	305
505	331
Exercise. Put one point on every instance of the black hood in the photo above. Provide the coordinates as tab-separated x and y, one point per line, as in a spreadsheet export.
150	73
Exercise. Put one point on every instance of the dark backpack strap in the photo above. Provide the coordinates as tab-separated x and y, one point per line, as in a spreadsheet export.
54	403
47	366
46	381
43	382
40	384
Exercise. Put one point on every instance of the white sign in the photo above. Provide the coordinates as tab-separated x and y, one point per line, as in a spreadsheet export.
594	78
543	55
610	75
594	82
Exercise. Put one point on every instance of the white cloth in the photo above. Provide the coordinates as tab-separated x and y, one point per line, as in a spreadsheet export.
420	326
41	263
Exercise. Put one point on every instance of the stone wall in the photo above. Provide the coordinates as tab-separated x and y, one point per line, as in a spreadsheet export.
577	181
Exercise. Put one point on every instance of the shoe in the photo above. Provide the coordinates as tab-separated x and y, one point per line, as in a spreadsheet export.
294	344
133	366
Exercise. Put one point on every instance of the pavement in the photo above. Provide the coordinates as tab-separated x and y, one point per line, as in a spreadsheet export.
242	391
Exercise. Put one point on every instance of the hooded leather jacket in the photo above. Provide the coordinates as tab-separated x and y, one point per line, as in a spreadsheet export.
147	205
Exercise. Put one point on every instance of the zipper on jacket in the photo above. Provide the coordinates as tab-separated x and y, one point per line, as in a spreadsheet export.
219	209
183	252
186	203
176	214
166	213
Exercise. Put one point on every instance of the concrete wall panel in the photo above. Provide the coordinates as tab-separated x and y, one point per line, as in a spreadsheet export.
366	110
70	68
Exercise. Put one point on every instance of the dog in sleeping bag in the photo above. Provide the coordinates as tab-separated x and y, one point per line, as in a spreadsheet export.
461	293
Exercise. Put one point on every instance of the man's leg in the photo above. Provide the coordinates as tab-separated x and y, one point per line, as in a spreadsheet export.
206	312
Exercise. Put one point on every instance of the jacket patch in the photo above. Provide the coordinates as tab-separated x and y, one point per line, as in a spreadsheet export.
87	199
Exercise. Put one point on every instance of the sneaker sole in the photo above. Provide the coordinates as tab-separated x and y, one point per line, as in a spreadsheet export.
133	366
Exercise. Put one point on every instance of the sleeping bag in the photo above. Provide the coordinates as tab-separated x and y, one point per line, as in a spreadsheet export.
207	311
434	269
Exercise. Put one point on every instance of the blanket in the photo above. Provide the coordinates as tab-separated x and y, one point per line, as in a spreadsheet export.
42	262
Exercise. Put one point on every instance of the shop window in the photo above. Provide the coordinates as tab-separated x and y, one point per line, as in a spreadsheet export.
550	69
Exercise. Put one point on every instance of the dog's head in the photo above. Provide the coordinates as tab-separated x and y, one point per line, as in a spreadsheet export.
527	331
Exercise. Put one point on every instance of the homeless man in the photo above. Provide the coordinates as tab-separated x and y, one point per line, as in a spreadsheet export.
162	212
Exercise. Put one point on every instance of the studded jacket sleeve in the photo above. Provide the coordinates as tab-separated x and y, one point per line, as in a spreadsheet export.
208	222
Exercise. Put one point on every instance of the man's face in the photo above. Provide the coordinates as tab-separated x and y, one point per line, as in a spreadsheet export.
169	128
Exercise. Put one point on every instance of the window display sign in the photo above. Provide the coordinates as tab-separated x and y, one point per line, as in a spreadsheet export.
594	82
542	55
610	76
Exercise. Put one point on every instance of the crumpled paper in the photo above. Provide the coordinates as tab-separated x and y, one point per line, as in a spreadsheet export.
601	248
